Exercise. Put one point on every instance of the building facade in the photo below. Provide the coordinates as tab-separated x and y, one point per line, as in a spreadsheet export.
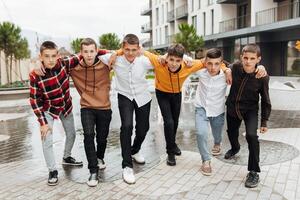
231	24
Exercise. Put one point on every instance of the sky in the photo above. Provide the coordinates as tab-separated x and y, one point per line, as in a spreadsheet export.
76	18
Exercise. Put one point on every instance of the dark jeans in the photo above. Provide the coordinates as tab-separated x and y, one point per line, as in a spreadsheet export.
251	122
126	108
169	104
89	119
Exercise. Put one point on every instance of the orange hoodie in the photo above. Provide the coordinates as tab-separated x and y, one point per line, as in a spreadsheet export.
172	82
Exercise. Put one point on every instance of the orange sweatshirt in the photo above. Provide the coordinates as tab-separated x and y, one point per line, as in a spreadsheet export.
170	82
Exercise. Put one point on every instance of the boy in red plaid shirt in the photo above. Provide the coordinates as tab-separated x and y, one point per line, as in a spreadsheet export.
50	100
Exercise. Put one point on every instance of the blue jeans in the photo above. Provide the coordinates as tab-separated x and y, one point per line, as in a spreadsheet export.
216	124
68	124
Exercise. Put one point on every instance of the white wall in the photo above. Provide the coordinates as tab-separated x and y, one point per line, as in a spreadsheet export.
17	75
259	5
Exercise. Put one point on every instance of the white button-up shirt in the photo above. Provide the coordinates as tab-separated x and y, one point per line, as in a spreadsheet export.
211	92
131	77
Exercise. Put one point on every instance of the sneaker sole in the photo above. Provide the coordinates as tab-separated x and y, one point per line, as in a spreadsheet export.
216	153
251	186
141	163
171	164
53	184
92	185
206	174
72	164
127	181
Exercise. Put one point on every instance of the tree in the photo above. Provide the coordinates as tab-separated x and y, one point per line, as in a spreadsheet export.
22	52
109	41
75	45
188	38
13	46
9	37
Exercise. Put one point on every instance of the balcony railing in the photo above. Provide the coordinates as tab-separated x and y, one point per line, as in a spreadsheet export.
146	28
280	13
146	9
210	2
171	16
235	23
182	12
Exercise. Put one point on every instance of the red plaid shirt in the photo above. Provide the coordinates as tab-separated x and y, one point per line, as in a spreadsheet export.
51	92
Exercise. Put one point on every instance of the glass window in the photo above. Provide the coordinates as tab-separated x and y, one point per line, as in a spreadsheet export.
293	58
194	21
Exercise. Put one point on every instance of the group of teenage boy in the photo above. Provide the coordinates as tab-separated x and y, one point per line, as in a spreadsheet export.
90	70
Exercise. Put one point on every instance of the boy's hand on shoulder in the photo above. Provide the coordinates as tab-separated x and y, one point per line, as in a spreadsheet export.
39	69
112	60
263	129
44	131
260	71
188	61
162	59
228	76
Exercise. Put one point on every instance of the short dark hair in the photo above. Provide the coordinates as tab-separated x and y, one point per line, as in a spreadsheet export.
131	39
87	42
252	48
47	45
176	50
213	53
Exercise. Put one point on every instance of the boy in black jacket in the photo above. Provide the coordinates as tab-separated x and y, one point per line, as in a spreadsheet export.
242	104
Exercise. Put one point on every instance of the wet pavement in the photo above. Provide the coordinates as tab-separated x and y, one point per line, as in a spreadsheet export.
21	159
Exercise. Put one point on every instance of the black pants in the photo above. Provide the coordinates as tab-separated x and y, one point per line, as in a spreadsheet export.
169	104
126	108
251	122
89	119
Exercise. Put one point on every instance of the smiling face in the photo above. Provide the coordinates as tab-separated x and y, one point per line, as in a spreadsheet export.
49	57
173	63
89	53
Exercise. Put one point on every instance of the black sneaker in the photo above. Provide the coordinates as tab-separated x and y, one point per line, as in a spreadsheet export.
171	161
93	180
252	179
177	151
71	161
230	153
53	179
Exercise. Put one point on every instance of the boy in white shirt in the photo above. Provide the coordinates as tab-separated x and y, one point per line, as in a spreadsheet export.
210	106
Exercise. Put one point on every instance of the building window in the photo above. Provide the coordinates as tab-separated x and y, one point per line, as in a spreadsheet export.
160	36
293	59
199	4
166	34
210	2
157	16
167	7
157	37
194	21
193	6
212	21
163	14
204	23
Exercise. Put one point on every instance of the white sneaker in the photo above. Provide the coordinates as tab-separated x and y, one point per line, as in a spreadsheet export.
128	175
101	164
138	158
93	180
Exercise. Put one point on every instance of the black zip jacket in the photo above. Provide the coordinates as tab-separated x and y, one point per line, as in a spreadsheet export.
244	94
